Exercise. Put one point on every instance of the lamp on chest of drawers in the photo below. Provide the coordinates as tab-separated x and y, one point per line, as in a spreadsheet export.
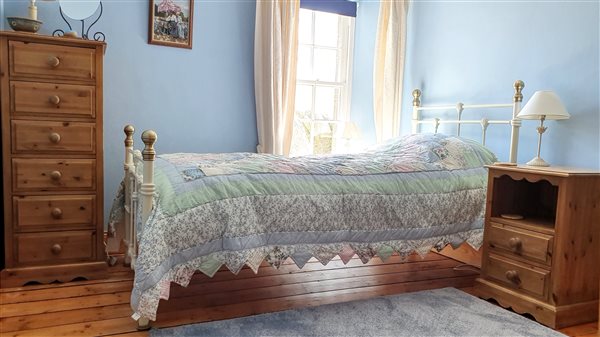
543	105
33	11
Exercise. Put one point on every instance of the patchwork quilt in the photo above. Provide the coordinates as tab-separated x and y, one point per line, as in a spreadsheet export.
409	195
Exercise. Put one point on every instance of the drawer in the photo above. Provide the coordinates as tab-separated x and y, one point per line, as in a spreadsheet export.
34	136
51	61
52	99
54	211
57	247
518	276
53	174
519	242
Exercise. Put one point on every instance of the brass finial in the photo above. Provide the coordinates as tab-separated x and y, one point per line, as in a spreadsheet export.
129	130
519	85
416	97
149	138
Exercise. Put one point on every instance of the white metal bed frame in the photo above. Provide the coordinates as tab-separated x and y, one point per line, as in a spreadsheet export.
139	166
514	122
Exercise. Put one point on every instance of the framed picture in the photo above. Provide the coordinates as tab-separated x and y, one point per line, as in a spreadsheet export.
171	23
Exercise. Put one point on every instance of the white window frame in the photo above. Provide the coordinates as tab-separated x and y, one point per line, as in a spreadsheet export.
345	50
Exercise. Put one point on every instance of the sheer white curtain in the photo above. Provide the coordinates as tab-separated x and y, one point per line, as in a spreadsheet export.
388	74
275	59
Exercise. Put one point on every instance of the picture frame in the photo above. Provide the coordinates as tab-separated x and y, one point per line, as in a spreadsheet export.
171	23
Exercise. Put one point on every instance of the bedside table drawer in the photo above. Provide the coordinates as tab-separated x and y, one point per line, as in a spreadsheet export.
53	174
33	136
50	99
54	211
517	275
51	61
51	248
519	242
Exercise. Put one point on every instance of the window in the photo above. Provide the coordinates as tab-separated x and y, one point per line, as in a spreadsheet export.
323	86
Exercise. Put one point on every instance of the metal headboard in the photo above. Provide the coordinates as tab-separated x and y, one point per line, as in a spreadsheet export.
459	107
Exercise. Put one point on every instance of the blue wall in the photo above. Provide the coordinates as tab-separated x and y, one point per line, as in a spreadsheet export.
473	51
199	100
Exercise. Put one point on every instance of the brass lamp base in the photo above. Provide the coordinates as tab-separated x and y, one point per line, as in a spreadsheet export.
538	161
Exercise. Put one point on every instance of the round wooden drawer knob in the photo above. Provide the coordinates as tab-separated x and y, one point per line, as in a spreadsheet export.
56	249
513	276
515	243
55	175
54	137
57	213
53	61
54	99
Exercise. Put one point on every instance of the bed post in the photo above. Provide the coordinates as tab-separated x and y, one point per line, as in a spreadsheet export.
415	114
147	192
129	130
147	189
129	169
515	122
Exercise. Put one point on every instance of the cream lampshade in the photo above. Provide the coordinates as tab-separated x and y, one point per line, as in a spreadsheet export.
351	131
543	105
349	136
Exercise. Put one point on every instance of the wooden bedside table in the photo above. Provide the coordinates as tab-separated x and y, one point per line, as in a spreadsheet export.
548	263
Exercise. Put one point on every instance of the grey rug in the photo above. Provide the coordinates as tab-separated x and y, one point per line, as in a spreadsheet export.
440	312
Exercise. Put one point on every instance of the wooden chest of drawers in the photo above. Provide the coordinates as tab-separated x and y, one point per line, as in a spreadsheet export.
546	264
51	100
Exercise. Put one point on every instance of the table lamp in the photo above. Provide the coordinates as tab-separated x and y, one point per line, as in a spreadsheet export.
33	12
351	131
543	105
349	136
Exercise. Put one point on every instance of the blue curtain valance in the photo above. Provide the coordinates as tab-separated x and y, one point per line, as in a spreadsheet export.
341	7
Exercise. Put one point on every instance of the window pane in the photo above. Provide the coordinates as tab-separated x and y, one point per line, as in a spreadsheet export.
325	64
305	71
301	144
326	29
305	27
323	138
303	101
326	102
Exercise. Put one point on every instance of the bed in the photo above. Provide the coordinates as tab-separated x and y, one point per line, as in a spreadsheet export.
186	213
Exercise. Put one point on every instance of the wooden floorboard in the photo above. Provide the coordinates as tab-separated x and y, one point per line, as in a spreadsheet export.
131	334
199	314
101	308
73	303
221	293
39	321
588	329
65	292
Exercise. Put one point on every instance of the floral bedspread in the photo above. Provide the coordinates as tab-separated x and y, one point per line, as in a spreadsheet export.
411	194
